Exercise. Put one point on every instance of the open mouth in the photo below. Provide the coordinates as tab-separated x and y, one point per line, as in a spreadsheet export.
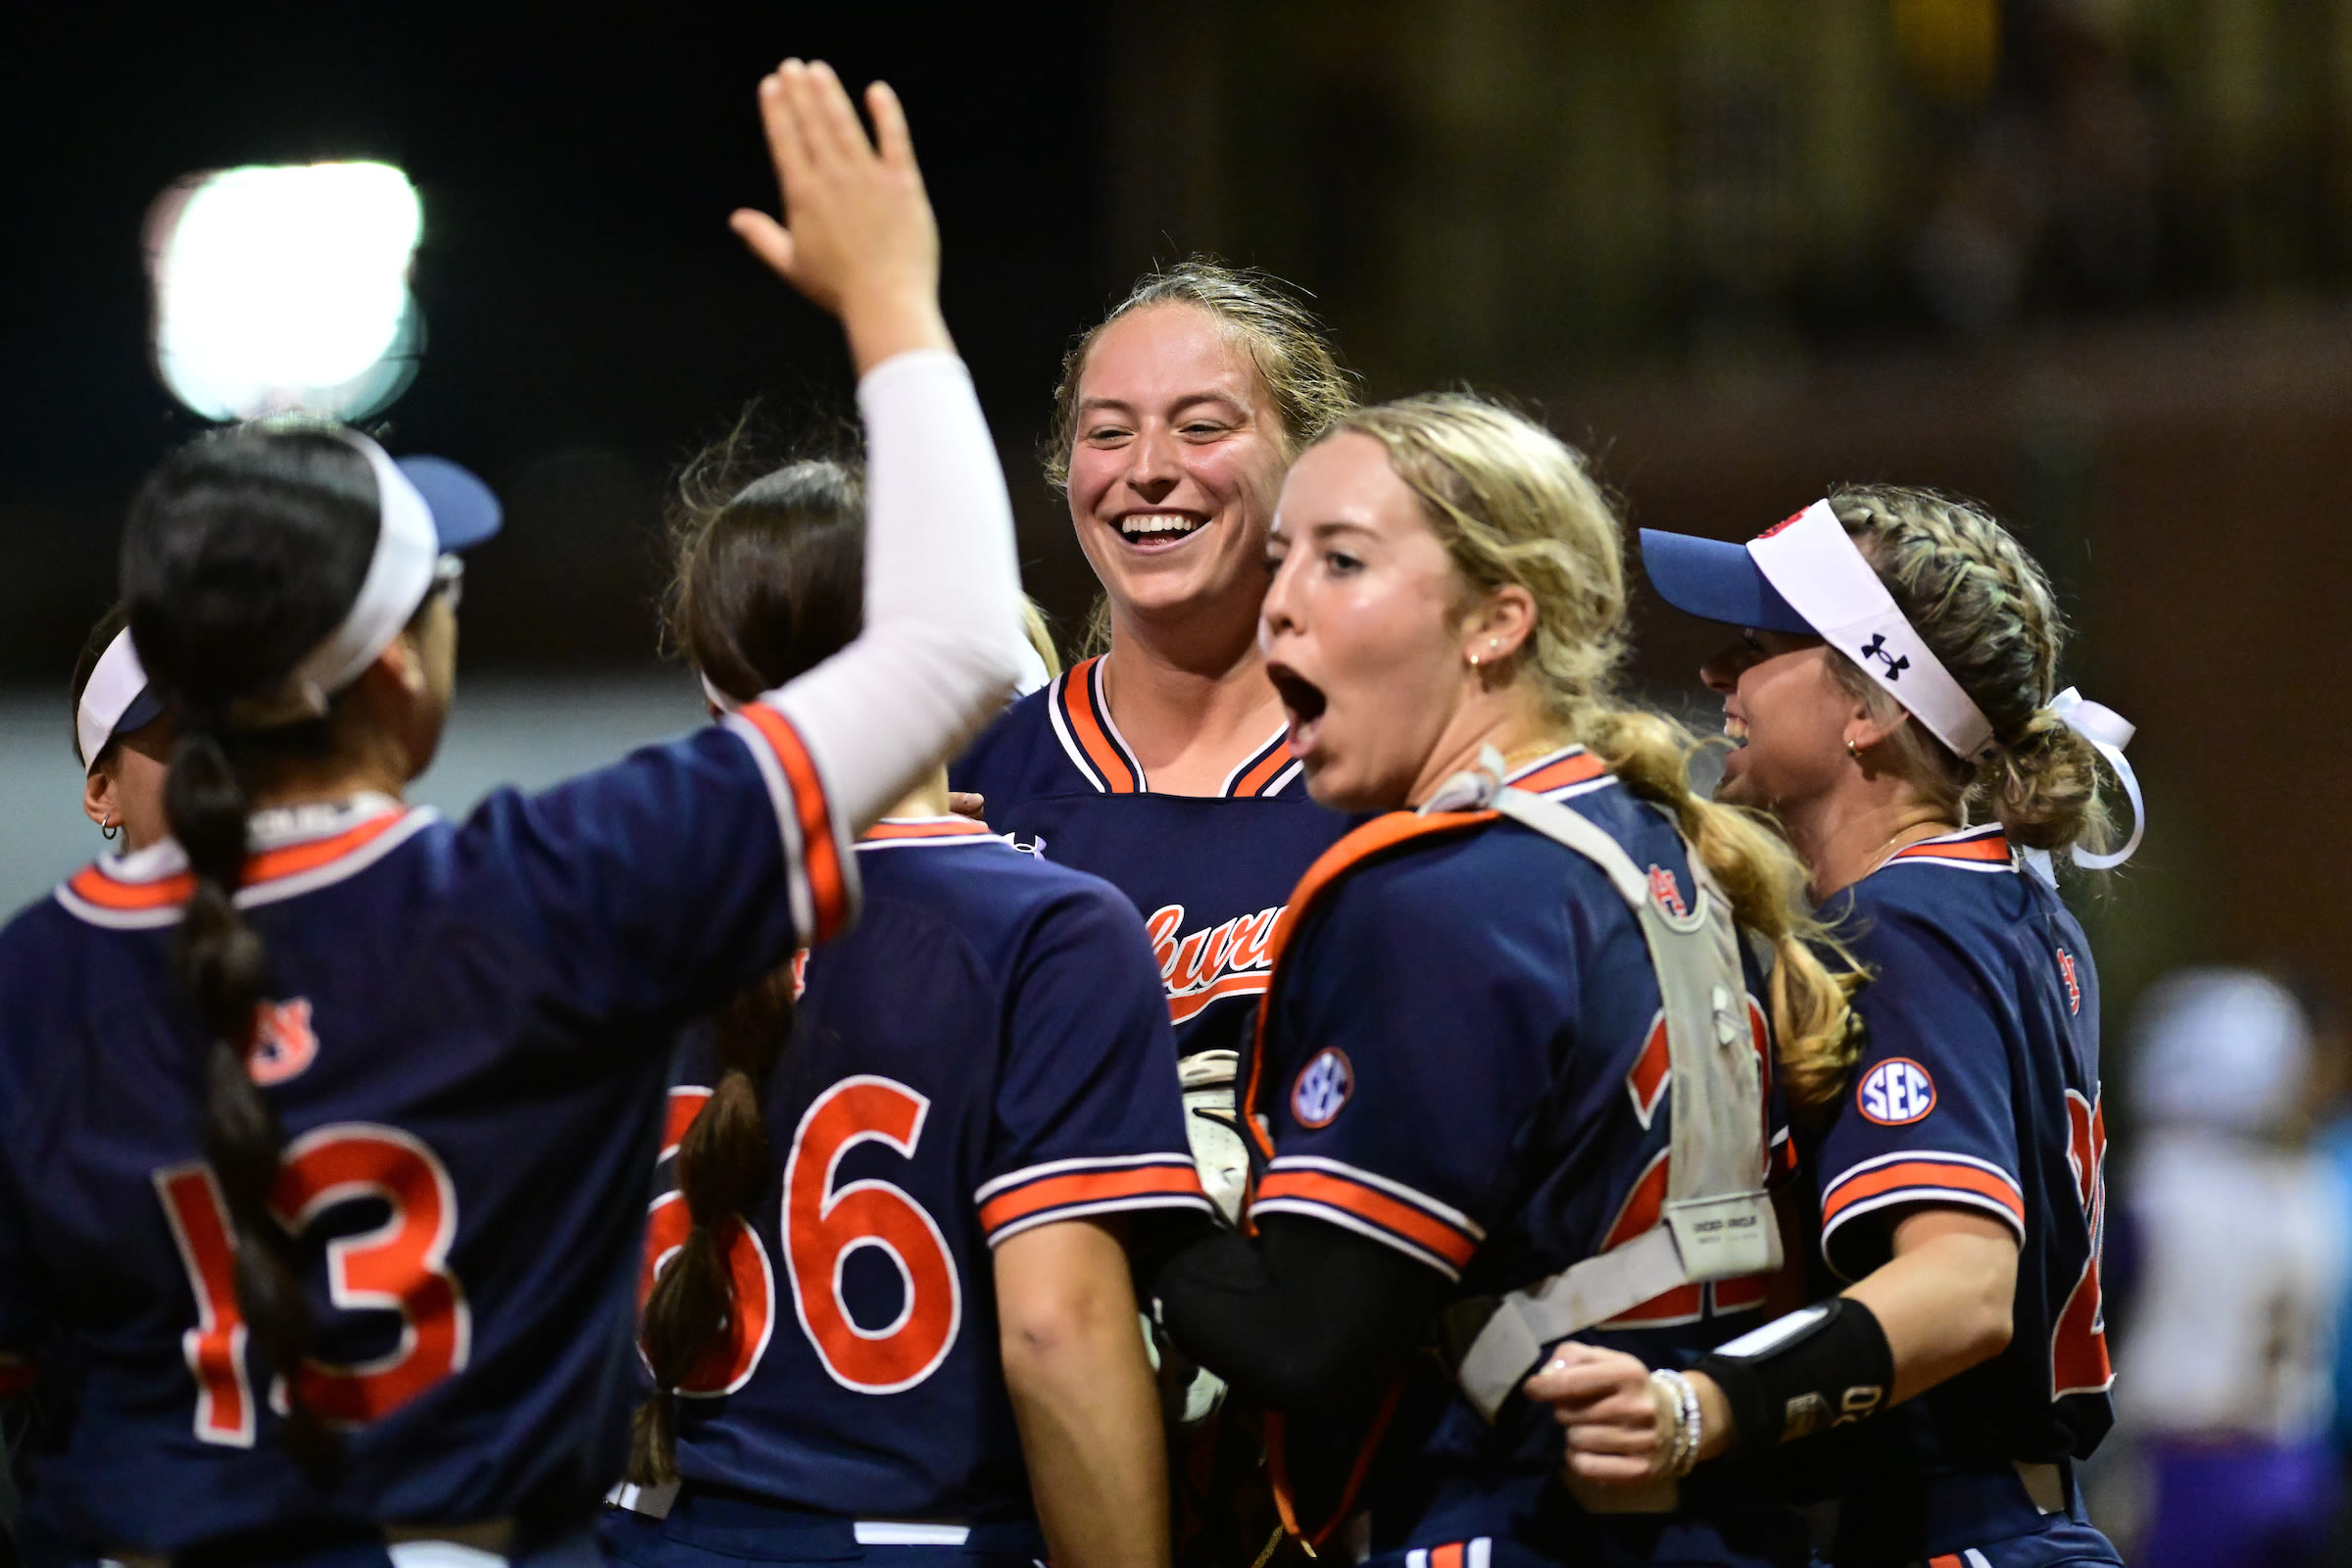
1735	728
1159	527
1303	704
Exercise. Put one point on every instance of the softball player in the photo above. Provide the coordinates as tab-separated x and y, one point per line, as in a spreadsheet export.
1160	765
120	737
977	1095
1895	703
336	1042
1513	1049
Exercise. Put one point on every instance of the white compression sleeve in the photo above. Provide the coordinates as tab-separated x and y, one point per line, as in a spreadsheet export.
934	660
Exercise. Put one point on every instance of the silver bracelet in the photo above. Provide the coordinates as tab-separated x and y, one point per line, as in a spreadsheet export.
1684	1451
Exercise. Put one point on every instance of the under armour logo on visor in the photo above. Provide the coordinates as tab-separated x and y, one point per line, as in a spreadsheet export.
1876	649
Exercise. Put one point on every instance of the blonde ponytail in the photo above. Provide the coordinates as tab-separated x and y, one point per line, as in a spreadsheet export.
1766	883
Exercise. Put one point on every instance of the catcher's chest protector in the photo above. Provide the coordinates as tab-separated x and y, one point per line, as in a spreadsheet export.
1718	1220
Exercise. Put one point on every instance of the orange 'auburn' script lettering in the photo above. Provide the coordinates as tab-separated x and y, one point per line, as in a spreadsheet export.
1232	959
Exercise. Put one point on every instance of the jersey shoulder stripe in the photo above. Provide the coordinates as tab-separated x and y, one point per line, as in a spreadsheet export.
1268	770
824	888
1082	721
145	891
1389	1211
1567	772
1366	842
1976	849
1066	1189
896	832
1920	1177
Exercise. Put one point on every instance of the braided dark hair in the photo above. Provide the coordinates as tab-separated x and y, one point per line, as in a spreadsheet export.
242	551
769	582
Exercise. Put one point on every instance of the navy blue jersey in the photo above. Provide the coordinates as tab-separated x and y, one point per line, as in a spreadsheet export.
1463	1057
1209	874
466	1044
986	1054
1978	1087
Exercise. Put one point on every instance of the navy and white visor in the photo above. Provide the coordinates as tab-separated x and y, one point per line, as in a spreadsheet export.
427	507
1806	576
115	701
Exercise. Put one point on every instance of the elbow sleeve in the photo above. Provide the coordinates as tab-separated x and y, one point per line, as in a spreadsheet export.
1304	1317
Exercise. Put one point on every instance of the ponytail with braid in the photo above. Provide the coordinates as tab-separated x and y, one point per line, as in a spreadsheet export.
241	553
768	582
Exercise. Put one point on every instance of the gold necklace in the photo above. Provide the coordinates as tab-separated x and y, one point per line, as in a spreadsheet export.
1885	850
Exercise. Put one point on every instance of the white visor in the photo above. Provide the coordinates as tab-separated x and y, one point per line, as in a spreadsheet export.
1811	561
115	687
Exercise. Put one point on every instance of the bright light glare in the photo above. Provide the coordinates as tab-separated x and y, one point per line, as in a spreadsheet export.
283	288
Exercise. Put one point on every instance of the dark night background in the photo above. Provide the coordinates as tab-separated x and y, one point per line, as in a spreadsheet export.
589	316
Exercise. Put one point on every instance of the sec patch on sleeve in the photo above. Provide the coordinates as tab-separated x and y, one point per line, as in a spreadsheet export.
1322	1086
1896	1093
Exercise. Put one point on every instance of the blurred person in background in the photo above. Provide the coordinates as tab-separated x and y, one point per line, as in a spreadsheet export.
2241	1231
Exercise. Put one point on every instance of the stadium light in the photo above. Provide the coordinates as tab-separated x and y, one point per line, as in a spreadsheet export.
285	288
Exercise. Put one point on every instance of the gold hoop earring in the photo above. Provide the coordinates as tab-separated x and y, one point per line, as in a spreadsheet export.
1853	751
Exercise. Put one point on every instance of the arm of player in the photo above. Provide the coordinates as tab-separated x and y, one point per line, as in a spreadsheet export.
942	587
1082	1393
1943	1300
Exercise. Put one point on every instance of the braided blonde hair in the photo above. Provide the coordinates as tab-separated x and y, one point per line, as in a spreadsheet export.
1513	504
1984	609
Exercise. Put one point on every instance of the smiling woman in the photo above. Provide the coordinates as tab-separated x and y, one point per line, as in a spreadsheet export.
1162	764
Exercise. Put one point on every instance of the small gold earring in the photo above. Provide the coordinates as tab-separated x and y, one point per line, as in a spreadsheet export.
1851	752
1473	661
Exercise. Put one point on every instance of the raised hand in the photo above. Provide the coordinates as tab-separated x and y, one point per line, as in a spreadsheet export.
858	237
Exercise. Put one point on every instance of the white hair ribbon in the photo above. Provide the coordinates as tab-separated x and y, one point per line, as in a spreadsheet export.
400	574
1811	561
115	683
2110	732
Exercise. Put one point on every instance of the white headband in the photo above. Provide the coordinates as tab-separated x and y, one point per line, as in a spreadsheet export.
115	683
400	574
1811	561
1814	563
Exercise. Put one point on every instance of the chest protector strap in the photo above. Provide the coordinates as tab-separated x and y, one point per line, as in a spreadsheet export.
1718	1220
